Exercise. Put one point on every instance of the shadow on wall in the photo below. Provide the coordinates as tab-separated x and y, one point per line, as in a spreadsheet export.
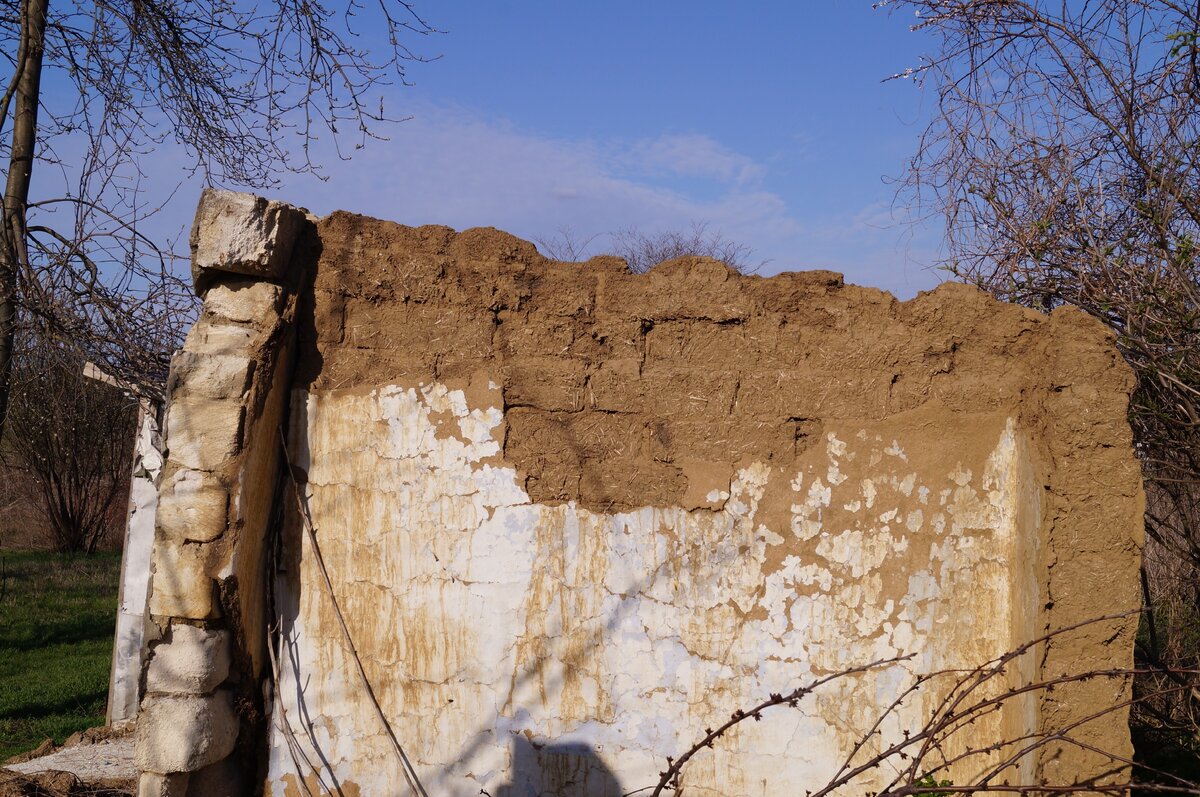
557	770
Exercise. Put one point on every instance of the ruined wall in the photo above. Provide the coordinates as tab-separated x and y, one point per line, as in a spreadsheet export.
572	516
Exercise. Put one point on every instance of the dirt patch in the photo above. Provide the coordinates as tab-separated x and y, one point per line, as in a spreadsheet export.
62	784
98	761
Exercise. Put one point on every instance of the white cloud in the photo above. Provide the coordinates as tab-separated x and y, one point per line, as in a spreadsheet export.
694	155
454	167
450	165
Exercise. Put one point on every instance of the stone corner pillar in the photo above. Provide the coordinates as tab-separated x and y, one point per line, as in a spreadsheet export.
201	711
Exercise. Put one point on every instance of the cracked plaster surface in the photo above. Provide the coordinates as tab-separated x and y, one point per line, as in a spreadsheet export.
491	626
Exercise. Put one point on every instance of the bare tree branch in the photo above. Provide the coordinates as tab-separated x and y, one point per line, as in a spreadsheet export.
1064	158
245	90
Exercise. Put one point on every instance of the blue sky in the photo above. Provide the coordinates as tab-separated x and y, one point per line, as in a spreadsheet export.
769	122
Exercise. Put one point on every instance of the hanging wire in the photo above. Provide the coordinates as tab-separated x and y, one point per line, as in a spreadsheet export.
410	773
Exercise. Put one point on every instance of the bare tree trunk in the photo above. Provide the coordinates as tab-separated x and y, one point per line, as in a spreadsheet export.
24	91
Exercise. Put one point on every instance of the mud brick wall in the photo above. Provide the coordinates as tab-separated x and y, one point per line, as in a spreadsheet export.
573	516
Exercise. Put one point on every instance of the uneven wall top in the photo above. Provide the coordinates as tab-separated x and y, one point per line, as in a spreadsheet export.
674	377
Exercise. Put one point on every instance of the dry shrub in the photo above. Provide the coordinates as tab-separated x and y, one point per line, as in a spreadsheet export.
71	437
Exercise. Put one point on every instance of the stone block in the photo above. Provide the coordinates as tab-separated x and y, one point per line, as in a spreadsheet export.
193	506
184	734
244	301
153	784
203	433
211	375
210	335
194	662
222	779
242	234
181	586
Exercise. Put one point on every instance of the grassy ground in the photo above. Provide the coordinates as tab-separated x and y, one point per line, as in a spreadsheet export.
56	635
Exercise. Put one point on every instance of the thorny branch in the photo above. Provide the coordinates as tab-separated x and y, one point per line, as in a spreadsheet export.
919	759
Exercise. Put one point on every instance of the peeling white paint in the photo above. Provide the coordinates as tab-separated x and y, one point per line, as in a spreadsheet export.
513	644
130	634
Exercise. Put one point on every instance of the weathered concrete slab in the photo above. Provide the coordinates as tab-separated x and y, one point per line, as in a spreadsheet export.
111	759
129	639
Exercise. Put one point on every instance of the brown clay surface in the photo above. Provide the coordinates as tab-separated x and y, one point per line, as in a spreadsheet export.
623	390
62	784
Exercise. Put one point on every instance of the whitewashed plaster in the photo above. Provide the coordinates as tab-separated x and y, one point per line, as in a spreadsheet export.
129	647
515	646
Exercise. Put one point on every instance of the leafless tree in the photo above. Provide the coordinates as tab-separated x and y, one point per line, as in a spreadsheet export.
566	245
72	434
643	250
1064	157
243	90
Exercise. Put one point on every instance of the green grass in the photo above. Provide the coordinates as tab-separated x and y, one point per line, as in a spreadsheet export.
56	635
